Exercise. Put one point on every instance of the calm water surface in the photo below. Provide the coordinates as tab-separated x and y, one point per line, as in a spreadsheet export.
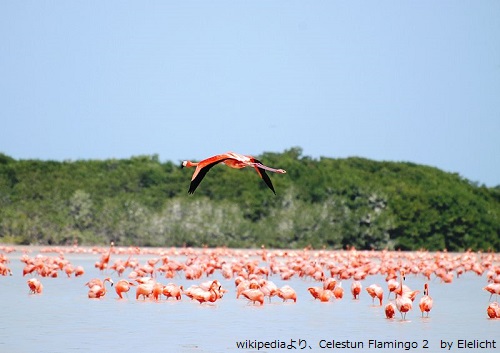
63	319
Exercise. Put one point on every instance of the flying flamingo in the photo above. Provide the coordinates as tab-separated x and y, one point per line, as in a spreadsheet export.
233	160
426	301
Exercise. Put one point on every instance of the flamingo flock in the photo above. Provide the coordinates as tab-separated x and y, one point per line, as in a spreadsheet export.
151	274
50	266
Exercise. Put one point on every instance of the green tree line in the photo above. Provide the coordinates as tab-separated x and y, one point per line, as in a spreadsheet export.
324	202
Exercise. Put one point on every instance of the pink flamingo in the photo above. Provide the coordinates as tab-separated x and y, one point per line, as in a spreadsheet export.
426	301
375	291
98	287
356	289
403	302
493	310
201	295
254	295
173	290
123	286
233	160
286	292
35	286
390	310
338	291
493	288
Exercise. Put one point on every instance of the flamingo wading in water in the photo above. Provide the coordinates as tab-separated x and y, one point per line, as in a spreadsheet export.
403	300
233	160
390	310
426	301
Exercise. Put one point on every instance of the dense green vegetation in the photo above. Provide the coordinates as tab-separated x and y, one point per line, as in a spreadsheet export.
332	203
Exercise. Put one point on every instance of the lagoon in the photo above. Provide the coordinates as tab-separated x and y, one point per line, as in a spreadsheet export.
63	319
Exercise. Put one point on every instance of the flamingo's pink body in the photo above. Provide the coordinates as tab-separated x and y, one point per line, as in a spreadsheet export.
123	286
356	289
403	301
254	295
375	291
203	295
493	288
493	310
35	285
144	289
173	290
97	288
426	301
338	291
286	292
233	160
390	310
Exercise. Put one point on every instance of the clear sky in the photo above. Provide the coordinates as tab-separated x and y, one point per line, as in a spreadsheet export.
397	80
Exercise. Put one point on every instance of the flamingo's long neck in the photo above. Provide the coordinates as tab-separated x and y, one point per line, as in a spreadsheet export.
109	252
400	290
213	294
104	283
280	171
189	164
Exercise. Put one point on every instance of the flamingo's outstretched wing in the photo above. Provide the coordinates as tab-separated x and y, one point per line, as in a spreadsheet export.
201	172
262	173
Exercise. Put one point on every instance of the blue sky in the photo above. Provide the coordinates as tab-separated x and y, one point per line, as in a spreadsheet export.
398	80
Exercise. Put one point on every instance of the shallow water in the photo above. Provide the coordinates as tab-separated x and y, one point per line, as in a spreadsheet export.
63	319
